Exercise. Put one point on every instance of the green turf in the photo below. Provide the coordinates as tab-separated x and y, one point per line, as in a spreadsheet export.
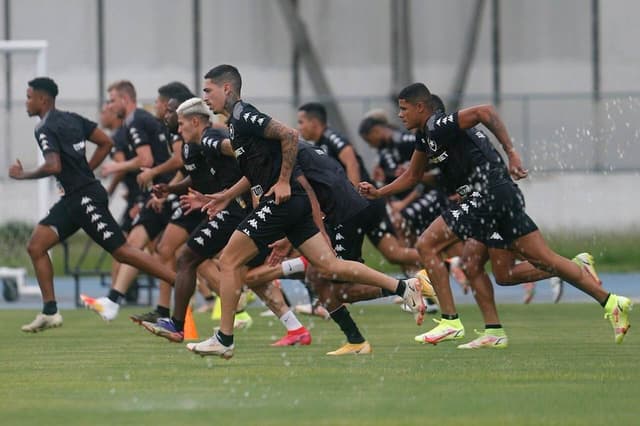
562	368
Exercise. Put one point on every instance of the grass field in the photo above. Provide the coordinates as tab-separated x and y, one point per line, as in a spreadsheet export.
562	368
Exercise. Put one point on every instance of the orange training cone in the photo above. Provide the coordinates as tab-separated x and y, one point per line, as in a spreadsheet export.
190	330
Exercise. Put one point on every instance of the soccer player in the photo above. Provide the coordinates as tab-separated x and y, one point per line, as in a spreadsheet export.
492	212
149	139
266	150
62	138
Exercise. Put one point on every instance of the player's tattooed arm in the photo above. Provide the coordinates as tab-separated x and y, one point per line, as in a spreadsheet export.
288	138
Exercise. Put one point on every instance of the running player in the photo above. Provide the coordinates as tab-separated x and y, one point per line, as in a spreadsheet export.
62	138
491	213
266	150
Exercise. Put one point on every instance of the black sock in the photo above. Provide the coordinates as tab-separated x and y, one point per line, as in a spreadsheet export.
225	339
487	326
50	308
115	296
401	288
163	311
179	324
604	303
342	317
210	298
450	317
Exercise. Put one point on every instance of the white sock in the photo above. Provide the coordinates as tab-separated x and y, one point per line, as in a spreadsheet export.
290	321
293	266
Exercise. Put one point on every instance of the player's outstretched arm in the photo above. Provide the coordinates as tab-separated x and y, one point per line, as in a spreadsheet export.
51	166
407	180
104	143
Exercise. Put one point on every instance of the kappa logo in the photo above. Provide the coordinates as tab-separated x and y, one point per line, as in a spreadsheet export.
100	226
214	224
246	116
465	207
106	235
90	208
199	240
253	223
85	200
220	215
95	217
495	236
339	237
443	120
247	232
260	121
254	118
339	248
455	214
207	232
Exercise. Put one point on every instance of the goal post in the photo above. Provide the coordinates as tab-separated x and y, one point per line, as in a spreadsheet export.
39	49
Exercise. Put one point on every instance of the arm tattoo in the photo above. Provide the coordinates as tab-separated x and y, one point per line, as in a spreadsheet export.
288	138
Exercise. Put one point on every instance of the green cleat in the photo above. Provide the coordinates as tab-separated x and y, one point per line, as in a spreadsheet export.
617	312
586	261
445	330
489	338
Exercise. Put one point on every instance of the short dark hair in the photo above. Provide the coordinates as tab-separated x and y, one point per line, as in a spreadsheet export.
414	93
369	123
315	110
436	103
124	86
175	90
46	85
226	74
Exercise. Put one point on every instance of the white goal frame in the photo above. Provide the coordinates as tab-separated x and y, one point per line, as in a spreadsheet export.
39	48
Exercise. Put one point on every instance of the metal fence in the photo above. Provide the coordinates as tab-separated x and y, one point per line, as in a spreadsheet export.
554	132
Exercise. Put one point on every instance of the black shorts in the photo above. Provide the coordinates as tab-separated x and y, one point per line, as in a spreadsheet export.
126	221
87	209
495	218
372	222
419	214
210	237
189	222
269	222
155	222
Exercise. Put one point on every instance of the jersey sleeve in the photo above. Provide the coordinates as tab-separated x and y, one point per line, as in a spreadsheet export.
443	126
251	122
87	125
47	140
336	143
212	141
138	133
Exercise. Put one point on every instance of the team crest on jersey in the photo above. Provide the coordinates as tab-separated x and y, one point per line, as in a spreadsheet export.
185	150
433	146
231	131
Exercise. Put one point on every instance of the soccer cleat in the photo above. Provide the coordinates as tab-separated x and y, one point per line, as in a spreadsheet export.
103	306
363	348
211	347
431	306
445	330
42	322
413	299
489	338
242	321
312	309
586	261
617	312
151	316
427	288
557	287
164	327
296	337
529	292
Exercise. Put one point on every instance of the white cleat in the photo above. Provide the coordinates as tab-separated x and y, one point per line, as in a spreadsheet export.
413	299
557	287
211	347
103	306
43	322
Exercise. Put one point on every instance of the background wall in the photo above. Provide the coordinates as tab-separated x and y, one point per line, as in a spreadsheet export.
546	79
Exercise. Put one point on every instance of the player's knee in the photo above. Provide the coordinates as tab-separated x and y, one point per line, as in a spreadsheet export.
187	259
35	249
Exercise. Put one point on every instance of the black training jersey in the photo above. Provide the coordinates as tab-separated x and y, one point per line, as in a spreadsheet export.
259	158
66	133
337	197
332	143
121	144
144	129
210	171
464	156
395	152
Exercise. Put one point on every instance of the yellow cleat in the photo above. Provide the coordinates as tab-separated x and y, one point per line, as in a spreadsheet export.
353	348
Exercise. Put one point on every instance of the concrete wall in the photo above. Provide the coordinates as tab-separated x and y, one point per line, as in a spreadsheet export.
546	70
